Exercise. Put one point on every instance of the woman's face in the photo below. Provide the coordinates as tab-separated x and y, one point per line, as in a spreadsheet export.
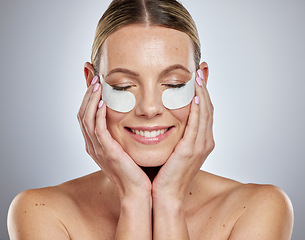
146	61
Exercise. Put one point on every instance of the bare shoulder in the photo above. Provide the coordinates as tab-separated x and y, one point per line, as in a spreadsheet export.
265	211
253	195
250	211
35	212
50	211
268	213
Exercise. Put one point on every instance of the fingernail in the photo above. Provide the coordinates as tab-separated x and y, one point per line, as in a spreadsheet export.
100	104
199	81
200	73
197	100
96	86
94	80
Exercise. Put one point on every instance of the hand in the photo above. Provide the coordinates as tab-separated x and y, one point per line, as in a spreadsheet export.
191	151
124	173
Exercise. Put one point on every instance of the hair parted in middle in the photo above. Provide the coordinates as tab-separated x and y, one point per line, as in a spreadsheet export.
165	13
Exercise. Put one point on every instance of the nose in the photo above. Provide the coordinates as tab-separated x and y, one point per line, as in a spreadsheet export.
149	103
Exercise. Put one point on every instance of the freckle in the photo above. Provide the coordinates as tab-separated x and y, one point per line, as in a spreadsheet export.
210	217
244	207
224	225
36	204
24	211
100	193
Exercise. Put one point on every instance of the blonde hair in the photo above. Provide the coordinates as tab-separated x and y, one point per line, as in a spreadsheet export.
165	13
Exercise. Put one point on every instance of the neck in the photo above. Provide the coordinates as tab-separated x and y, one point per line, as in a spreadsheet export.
151	172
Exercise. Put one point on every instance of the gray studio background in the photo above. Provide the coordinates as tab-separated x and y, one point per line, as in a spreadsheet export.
255	51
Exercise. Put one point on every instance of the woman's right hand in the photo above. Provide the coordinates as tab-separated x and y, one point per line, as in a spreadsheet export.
129	179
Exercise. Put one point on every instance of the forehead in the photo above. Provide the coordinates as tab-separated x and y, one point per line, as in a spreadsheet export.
137	47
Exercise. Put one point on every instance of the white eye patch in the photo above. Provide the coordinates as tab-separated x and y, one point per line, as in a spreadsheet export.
174	98
124	101
120	101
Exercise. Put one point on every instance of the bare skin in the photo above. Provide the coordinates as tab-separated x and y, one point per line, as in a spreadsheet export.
174	201
88	208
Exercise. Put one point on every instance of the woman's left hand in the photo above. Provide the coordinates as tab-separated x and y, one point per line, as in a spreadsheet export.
176	174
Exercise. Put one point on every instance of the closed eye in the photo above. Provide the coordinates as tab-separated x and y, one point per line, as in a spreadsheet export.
118	88
175	85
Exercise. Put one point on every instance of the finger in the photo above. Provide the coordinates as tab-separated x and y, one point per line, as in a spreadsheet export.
101	131
90	114
89	146
208	99
109	146
80	115
191	129
209	132
85	101
205	112
120	167
205	130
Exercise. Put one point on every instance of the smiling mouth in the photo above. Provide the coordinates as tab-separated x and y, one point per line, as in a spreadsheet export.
149	134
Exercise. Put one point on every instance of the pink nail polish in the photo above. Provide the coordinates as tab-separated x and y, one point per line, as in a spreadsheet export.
96	86
100	104
200	73
199	81
94	80
197	100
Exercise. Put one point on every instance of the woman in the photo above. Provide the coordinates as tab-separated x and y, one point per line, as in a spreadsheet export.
150	134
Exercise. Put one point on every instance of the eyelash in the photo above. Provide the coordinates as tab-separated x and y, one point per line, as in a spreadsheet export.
175	85
117	88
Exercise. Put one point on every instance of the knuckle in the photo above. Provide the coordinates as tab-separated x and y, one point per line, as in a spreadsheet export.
186	152
79	116
86	122
194	130
110	156
99	132
113	153
88	150
114	159
99	154
210	145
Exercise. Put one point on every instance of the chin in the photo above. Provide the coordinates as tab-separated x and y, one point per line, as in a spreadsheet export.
150	159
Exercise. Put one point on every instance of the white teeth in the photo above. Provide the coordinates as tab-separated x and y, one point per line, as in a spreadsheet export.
153	134
149	134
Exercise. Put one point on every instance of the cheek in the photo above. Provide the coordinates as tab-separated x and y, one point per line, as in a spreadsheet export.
112	120
182	115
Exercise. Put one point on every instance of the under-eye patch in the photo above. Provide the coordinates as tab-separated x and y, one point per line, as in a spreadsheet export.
124	101
174	98
117	100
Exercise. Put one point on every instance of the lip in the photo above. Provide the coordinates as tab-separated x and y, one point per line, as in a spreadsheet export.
149	140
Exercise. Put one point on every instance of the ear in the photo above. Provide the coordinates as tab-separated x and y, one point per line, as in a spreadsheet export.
89	73
205	69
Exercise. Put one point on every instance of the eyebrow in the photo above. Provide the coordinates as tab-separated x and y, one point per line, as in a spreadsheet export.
174	67
122	70
135	74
